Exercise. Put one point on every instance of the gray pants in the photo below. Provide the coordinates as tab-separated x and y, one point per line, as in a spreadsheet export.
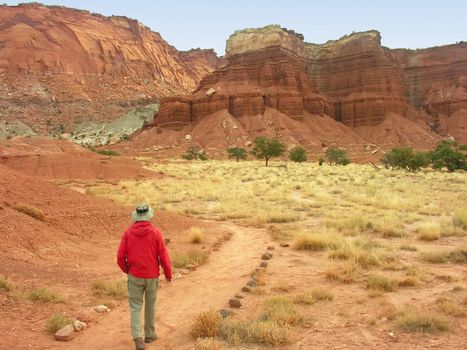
137	288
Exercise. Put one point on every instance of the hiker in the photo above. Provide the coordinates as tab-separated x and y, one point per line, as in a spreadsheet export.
140	253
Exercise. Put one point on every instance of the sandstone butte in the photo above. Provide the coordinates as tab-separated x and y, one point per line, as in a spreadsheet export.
59	65
63	66
348	92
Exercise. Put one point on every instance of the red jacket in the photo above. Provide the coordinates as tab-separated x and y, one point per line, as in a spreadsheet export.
141	251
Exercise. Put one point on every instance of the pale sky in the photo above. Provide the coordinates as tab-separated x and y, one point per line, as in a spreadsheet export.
206	24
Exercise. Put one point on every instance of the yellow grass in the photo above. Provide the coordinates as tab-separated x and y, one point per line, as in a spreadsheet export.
115	289
206	324
413	320
45	295
196	235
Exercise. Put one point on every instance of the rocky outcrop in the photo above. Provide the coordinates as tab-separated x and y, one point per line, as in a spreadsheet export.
62	66
389	97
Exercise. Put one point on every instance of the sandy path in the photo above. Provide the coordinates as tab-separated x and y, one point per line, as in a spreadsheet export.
210	286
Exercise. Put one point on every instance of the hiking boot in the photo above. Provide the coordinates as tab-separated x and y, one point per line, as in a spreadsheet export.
150	339
139	343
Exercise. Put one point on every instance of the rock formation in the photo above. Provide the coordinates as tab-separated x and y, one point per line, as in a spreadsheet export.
348	92
62	66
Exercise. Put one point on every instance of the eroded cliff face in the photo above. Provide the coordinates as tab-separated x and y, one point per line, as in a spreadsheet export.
60	65
355	85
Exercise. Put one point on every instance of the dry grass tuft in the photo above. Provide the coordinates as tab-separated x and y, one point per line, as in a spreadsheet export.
237	332
460	219
206	324
208	344
380	282
413	320
450	308
430	231
458	255
5	284
57	322
30	210
281	311
192	256
316	241
358	251
116	289
196	235
345	272
282	286
45	295
313	297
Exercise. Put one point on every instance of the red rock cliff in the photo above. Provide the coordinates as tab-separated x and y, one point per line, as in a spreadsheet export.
61	55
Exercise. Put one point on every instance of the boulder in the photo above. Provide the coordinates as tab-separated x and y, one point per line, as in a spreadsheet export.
235	303
66	333
246	289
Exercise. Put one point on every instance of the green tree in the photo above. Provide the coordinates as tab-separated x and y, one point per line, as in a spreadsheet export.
194	153
267	148
298	154
237	152
405	158
447	154
337	156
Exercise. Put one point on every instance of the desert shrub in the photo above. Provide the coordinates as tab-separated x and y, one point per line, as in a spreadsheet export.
192	256
429	232
237	332
194	153
337	156
196	235
206	324
5	284
45	295
116	289
298	154
380	282
33	212
282	286
405	158
345	272
313	297
57	322
237	153
360	252
447	154
265	148
413	320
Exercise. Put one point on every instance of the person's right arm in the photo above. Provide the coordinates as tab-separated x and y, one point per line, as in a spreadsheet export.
164	258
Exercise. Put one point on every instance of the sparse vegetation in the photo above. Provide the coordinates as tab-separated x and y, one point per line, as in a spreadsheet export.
45	295
316	241
448	154
405	158
115	289
192	256
450	308
30	210
313	297
281	311
195	153
209	344
237	332
57	322
453	256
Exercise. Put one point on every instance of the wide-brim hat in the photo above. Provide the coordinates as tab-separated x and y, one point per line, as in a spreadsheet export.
143	212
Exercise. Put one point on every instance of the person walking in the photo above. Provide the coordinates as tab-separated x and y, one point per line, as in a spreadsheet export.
140	253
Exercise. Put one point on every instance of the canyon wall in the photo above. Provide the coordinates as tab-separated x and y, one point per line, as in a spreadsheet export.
62	66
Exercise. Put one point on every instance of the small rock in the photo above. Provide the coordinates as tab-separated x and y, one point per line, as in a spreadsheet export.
248	143
284	245
266	256
264	264
191	267
239	296
246	289
87	315
188	137
235	303
101	308
271	247
210	92
79	326
66	333
177	276
251	283
184	271
225	312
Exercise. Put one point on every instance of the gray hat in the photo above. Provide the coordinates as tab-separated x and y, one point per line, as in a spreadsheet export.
143	212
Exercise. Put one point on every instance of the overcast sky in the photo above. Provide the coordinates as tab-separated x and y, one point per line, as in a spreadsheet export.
189	24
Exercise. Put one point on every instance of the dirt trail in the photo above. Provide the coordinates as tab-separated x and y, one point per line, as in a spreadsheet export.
210	286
